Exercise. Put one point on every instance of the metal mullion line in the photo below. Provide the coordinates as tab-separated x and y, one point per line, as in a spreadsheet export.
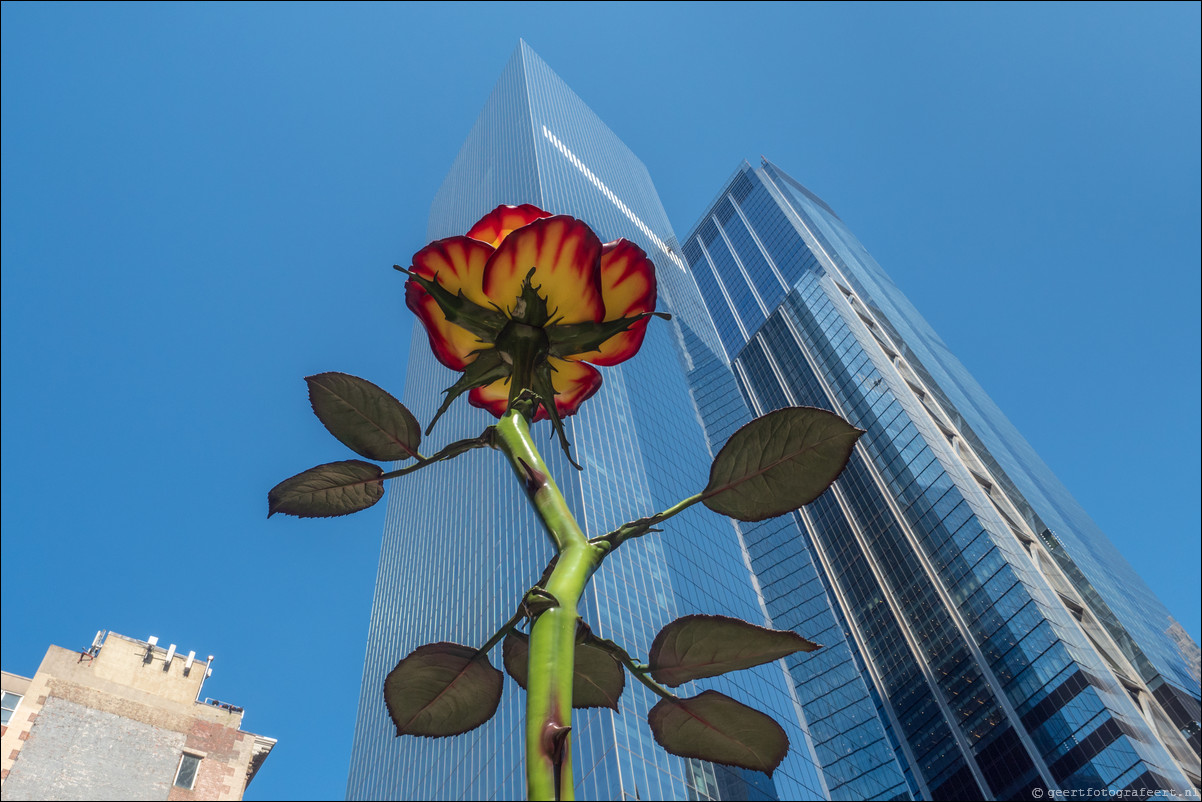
857	635
755	293
1034	545
1030	546
538	175
807	236
756	241
605	610
912	541
803	725
788	681
862	644
699	303
734	313
891	593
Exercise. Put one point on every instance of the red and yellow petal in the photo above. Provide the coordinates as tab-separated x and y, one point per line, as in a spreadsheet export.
493	397
628	289
457	263
565	254
452	345
502	221
574	383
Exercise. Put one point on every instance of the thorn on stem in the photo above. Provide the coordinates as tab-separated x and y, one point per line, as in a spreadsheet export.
533	479
537	602
555	737
554	743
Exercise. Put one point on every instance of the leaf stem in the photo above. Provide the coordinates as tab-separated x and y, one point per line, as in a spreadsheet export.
505	629
640	671
642	526
451	450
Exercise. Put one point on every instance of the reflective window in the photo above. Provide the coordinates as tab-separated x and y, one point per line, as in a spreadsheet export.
185	775
8	706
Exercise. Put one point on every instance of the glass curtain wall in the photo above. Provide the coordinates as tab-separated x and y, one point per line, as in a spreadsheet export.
642	449
972	651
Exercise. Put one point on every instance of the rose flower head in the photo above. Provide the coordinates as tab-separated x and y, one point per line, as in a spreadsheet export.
525	305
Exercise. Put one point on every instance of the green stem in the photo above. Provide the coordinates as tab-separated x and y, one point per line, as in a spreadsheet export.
553	633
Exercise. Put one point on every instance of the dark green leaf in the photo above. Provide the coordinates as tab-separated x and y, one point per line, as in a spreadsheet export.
597	680
779	462
698	646
714	727
336	488
442	689
365	418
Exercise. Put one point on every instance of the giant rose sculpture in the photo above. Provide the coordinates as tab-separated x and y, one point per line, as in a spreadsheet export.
525	306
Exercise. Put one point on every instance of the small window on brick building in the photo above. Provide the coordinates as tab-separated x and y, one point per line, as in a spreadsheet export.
185	777
8	704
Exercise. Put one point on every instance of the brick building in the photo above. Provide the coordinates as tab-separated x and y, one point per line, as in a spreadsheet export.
122	720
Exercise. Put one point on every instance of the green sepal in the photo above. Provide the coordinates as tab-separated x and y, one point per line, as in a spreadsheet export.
486	368
544	389
524	347
483	322
531	307
581	338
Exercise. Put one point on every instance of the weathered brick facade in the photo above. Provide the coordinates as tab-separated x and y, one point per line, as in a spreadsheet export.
115	724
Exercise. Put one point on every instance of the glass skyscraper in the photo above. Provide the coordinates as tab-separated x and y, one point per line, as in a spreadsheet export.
983	638
457	572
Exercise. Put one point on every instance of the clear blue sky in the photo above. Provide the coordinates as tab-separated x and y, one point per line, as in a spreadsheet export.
201	204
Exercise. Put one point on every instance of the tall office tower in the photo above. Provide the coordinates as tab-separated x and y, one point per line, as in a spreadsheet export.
983	637
461	547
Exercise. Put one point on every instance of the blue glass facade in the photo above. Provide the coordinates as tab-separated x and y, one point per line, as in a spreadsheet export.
642	449
984	639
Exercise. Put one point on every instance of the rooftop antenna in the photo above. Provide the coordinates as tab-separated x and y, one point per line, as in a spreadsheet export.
151	642
90	653
208	673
